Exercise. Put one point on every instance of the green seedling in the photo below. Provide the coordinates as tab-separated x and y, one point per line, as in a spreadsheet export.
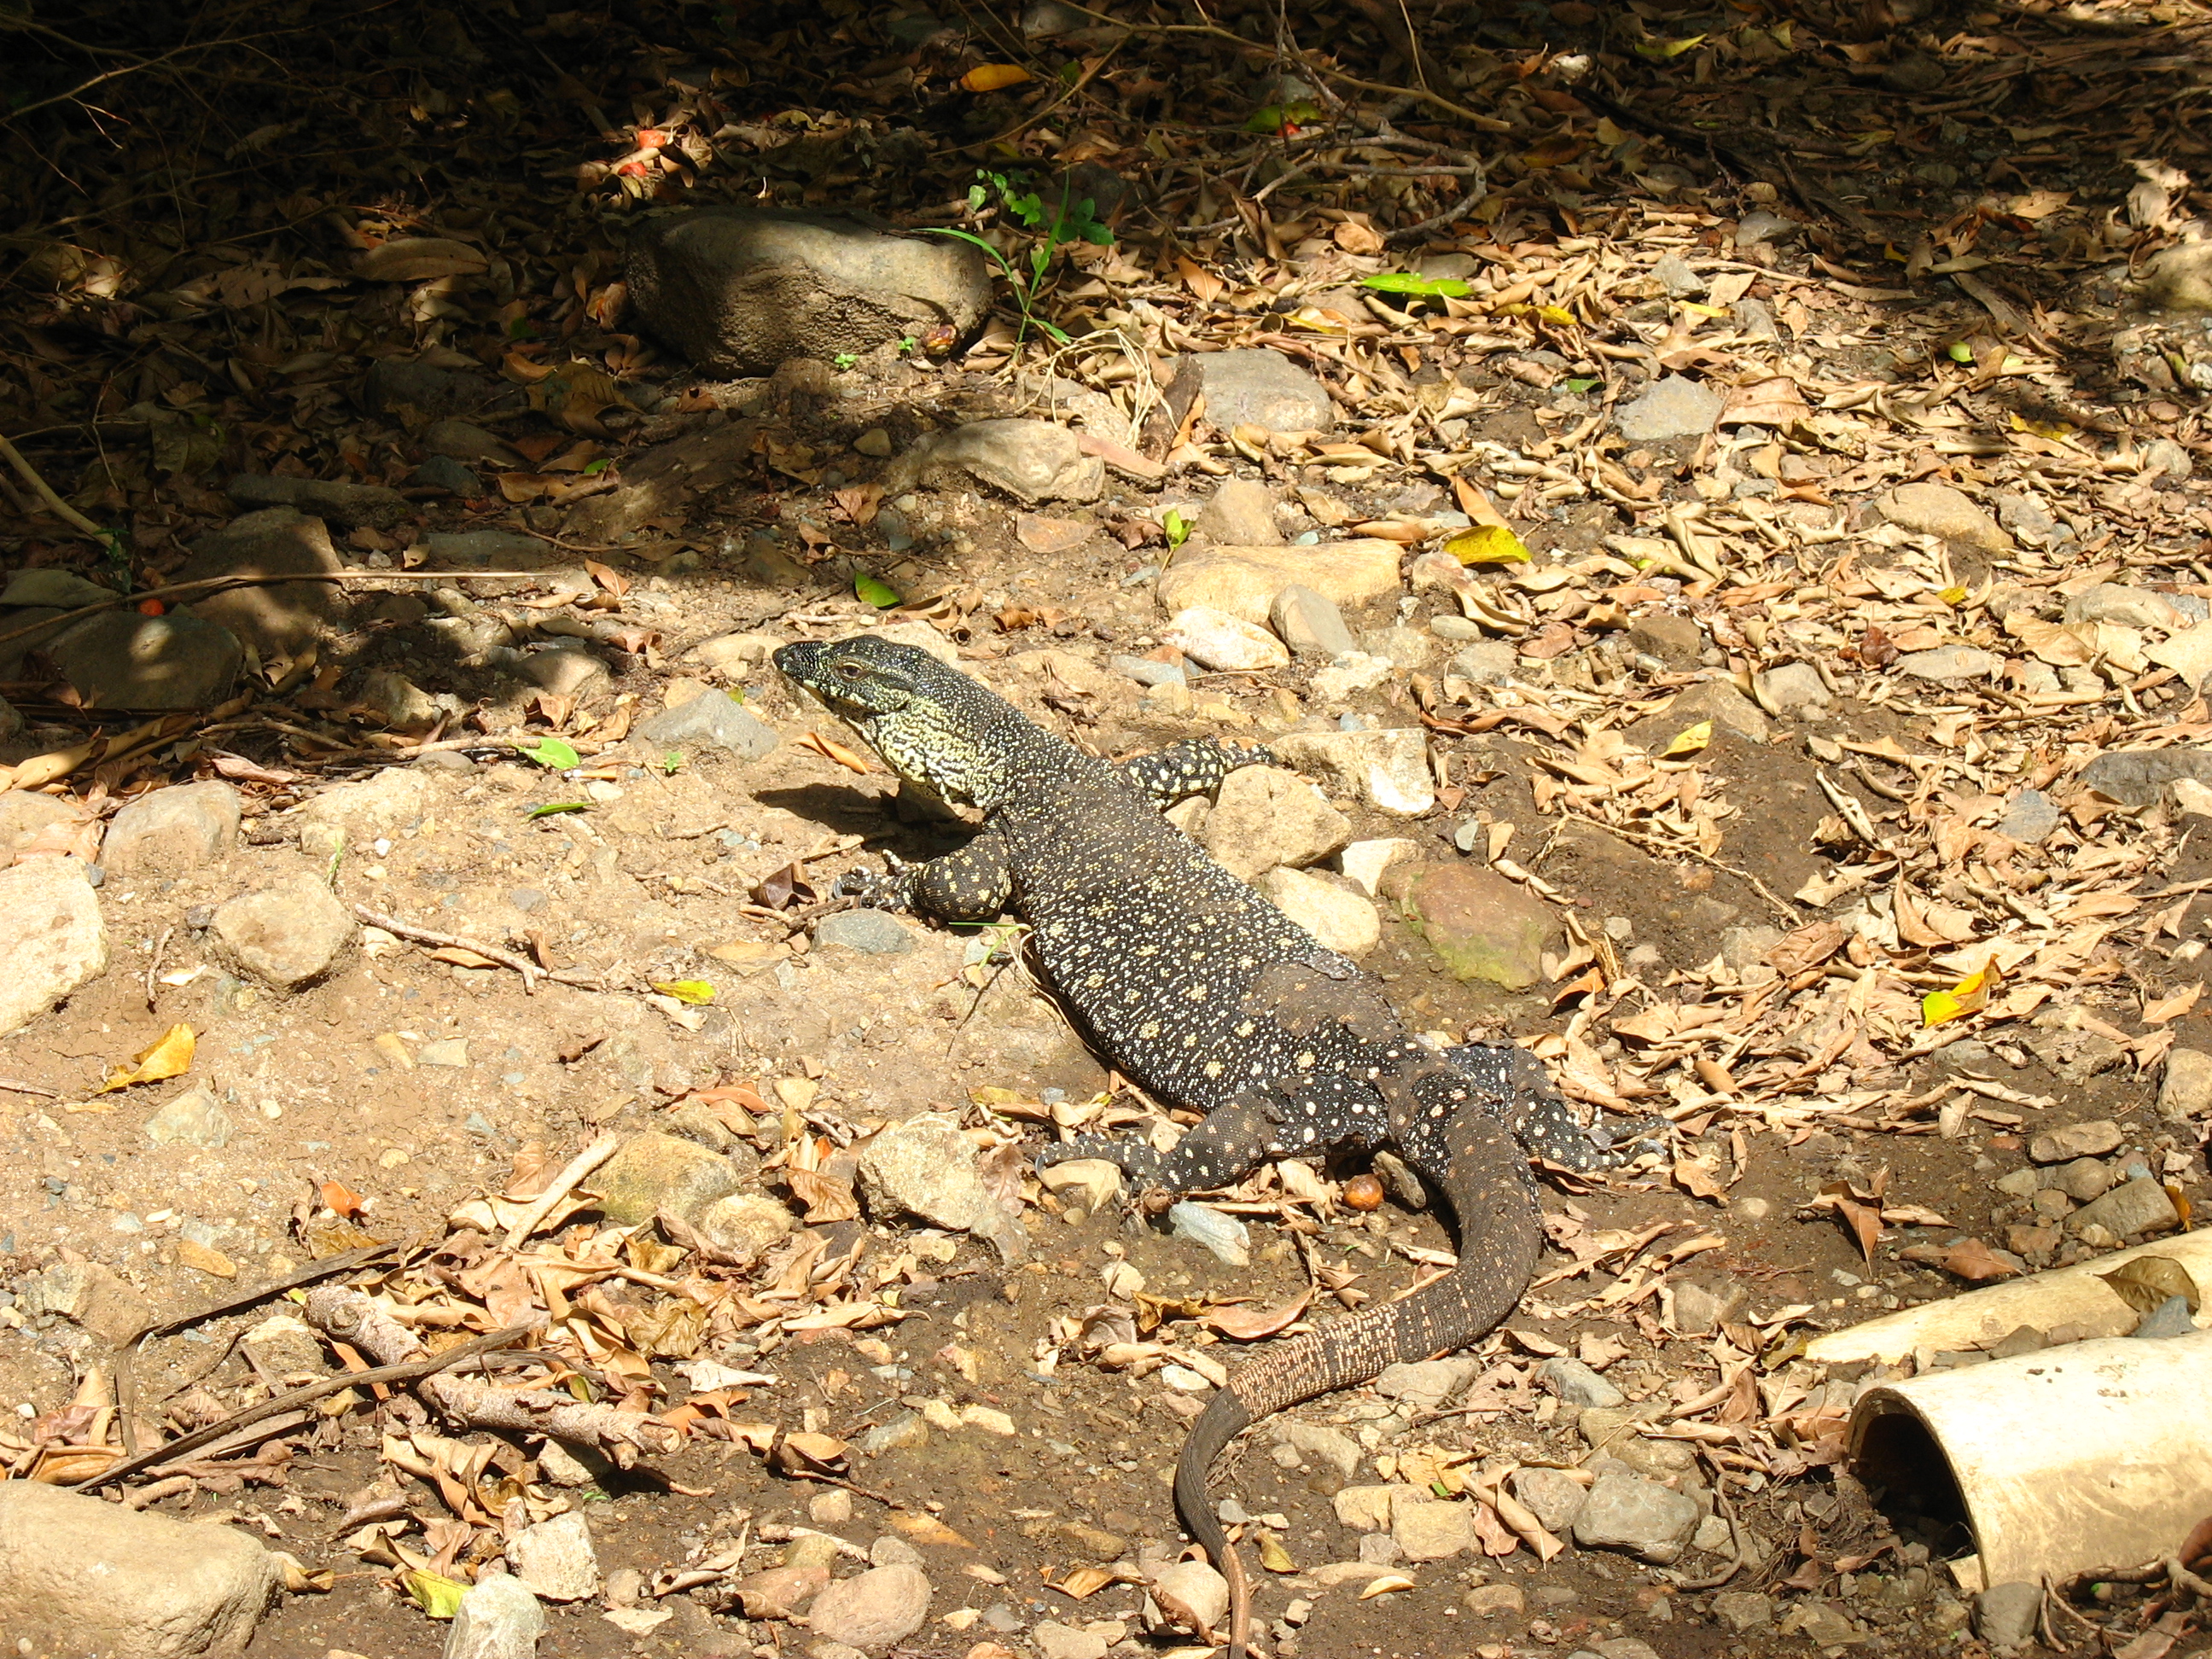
552	754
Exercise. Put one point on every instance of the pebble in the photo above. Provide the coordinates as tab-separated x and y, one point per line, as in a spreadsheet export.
2185	1091
2093	1139
904	1432
194	1118
1364	863
191	826
2125	605
1795	690
924	1167
121	660
1554	1497
1242	512
1951	662
1672	273
1426	1384
1252	386
1309	623
353	814
1672	407
1264	817
873	1609
499	1619
1486	662
555	1558
652	1172
1331	1447
79	1576
1226	644
1939	510
1483	926
1244	580
1432	1529
1743	1610
1223	1233
1057	1641
1341	920
51	937
1352	672
1194	1586
1576	1384
2007	1615
1626	1512
2140	1206
2030	817
1458	629
288	935
1387	769
1146	672
873	933
1032	461
1495	1600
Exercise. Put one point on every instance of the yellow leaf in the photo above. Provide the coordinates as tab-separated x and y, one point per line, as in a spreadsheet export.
1559	316
990	77
1689	741
171	1056
1953	595
692	991
436	1595
1385	1584
1968	996
1273	1556
1487	543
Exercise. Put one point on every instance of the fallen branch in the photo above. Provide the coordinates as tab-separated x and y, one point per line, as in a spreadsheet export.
577	1167
347	1315
531	972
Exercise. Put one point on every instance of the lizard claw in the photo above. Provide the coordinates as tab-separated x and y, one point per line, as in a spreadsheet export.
875	889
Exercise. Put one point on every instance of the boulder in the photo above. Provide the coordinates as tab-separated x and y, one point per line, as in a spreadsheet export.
280	618
1484	926
52	938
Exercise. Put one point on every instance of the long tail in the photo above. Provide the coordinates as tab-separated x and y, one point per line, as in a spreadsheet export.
1500	1237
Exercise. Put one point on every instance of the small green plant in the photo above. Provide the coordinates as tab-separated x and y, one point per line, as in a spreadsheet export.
1052	228
873	590
906	346
554	807
552	754
1178	528
671	764
845	360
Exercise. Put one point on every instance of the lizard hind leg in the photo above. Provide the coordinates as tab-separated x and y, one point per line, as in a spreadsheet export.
1515	1089
1233	1139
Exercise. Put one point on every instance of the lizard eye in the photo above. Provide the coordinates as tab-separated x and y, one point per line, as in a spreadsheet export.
851	670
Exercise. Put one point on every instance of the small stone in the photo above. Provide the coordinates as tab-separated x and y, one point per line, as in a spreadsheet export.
904	1432
1486	662
2127	605
447	1051
123	660
1820	1624
1366	1509
1242	514
1331	1447
1483	926
1404	648
1426	1384
1352	672
743	1227
1387	769
1934	509
2030	817
1244	580
780	1592
194	1118
2134	1207
444	472
716	721
1578	1384
1759	226
1715	701
1309	624
401	704
288	935
2084	1180
1626	1512
2186	1089
1554	1497
354	814
499	1619
51	937
1671	638
2138	777
1251	387
1195	1587
78	1575
1672	407
1058	1641
555	1558
349	505
1051	536
892	1551
2179	278
652	1172
1495	1602
1032	461
1223	643
1696	1308
1094	1182
1796	690
1219	1232
1364	863
1146	672
874	442
1742	1610
1339	921
276	618
2093	1138
874	1609
565	670
873	933
1672	273
2007	1615
1431	1530
1951	662
924	1167
1264	817
191	826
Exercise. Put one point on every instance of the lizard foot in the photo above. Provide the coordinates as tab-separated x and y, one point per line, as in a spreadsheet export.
875	889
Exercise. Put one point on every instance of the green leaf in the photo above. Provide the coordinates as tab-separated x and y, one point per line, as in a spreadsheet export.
671	763
876	591
845	360
553	753
1581	384
1177	526
553	807
1660	51
691	991
1959	352
1426	288
437	1595
592	468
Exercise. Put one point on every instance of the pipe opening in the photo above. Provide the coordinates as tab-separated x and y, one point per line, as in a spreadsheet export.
1911	1482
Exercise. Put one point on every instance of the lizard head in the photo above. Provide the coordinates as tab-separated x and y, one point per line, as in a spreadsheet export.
935	726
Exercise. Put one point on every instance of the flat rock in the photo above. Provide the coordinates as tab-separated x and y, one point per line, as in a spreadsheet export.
662	481
2126	605
2138	777
1554	1497
490	549
2093	1139
52	938
1426	1384
1670	638
1226	644
1309	623
1934	509
715	721
1264	817
348	506
61	590
1485	662
1626	1512
1341	920
1196	1586
652	1172
195	1118
2142	1205
1244	580
873	1609
1671	407
1742	1610
189	826
555	1558
78	1575
743	1227
1251	387
1576	1384
1796	690
1331	1447
353	814
2185	1091
2179	278
1057	1641
1674	276
1484	926
30	822
278	619
1031	461
88	1294
288	935
873	933
499	1619
1495	1600
738	290
1387	769
1427	1529
2008	1615
2030	817
924	1167
1242	514
121	660
1951	662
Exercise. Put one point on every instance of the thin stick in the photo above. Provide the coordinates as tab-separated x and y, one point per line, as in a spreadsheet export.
45	491
17	1086
531	972
564	1183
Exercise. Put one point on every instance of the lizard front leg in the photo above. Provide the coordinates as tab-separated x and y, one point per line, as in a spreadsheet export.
1192	767
972	884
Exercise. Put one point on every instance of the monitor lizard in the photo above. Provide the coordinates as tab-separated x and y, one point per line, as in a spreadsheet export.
1199	990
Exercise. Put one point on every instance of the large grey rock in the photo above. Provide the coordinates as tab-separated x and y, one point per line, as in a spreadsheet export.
1386	769
2137	777
52	938
652	1172
348	506
353	814
1264	817
280	618
555	1558
874	1609
1626	1512
1484	926
288	935
1251	387
123	660
1030	461
715	721
739	290
924	1167
191	826
499	1619
78	1575
1671	407
1934	509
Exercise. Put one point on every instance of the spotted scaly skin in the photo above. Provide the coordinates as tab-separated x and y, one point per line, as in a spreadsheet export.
1204	993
